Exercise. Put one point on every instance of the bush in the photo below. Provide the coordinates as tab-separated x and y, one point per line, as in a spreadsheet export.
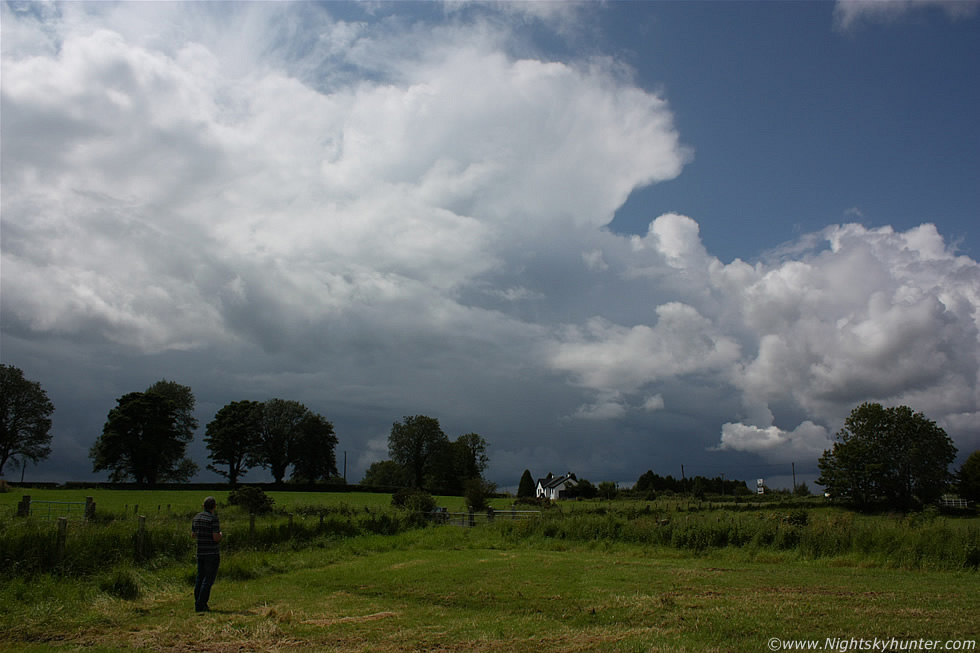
797	517
252	499
477	493
413	499
540	502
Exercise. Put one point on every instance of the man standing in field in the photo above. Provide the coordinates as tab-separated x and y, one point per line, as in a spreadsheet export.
206	530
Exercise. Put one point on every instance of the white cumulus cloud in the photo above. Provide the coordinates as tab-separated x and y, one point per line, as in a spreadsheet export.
154	172
849	315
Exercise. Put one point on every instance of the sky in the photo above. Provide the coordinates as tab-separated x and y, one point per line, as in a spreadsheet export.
607	237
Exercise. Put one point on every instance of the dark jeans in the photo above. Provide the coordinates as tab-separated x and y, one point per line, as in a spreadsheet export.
207	569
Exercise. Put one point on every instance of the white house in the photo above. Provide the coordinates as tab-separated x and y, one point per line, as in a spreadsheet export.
554	487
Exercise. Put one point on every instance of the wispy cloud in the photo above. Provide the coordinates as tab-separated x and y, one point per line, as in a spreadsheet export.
849	14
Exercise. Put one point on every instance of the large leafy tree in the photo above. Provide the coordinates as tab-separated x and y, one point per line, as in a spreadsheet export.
313	449
646	482
231	438
417	442
457	462
968	478
888	455
473	450
184	403
25	419
143	440
278	429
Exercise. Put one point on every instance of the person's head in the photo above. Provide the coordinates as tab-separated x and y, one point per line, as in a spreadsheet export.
210	503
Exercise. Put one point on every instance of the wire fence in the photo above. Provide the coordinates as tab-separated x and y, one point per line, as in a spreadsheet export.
474	518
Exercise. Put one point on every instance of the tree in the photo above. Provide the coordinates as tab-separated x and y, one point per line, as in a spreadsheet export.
646	482
387	473
231	438
889	455
607	490
583	488
416	442
279	426
526	487
142	439
476	459
313	448
183	400
968	478
454	463
25	421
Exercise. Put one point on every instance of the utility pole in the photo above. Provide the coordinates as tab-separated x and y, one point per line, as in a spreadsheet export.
794	477
682	472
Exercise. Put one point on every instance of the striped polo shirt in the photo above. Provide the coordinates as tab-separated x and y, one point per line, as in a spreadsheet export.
205	524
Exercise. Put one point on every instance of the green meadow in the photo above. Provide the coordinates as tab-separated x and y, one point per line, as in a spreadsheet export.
353	574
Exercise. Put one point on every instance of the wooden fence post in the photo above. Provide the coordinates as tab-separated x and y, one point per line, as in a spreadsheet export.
62	536
24	507
89	508
140	538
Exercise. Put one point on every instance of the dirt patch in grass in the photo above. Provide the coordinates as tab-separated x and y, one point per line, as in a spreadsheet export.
407	563
343	620
822	591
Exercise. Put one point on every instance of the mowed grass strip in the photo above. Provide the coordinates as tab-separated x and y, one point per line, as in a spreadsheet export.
443	590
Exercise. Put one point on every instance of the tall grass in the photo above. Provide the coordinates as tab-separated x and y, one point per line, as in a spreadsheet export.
916	542
921	541
30	546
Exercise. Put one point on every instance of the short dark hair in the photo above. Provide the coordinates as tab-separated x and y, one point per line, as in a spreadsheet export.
210	503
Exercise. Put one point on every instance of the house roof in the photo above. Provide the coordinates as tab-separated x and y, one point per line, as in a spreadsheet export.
555	481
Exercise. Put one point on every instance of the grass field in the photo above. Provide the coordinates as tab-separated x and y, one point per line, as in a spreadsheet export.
496	587
151	502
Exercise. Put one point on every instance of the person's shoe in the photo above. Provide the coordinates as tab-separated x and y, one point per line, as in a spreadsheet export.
204	609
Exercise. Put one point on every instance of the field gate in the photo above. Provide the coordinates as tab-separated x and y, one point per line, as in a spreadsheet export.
48	510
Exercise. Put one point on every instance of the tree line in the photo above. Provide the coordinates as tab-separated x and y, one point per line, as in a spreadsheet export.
421	455
890	456
146	434
647	486
145	438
